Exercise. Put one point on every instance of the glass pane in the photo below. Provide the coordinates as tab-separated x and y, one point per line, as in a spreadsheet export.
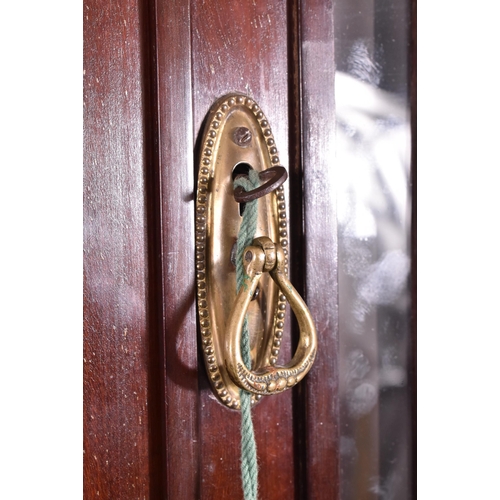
374	210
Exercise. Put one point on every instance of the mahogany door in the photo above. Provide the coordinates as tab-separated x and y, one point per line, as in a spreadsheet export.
152	70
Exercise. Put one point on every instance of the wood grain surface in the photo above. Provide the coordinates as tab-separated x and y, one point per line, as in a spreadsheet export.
175	181
117	449
243	47
320	244
152	70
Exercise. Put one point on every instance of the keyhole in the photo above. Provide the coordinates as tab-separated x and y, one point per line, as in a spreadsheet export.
241	169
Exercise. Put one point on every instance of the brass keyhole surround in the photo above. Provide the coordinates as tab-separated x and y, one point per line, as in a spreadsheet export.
236	133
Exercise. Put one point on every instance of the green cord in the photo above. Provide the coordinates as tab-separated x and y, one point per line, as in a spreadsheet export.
249	469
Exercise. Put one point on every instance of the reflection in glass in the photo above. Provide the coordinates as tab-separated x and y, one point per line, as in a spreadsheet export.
374	214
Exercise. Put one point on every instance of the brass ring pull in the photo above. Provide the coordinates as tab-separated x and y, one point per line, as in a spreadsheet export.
266	256
274	177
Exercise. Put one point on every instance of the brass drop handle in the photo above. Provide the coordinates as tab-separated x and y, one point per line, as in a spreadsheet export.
237	138
266	256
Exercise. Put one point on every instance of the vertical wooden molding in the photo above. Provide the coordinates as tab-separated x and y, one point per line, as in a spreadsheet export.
242	47
117	417
156	340
412	364
297	242
176	185
320	239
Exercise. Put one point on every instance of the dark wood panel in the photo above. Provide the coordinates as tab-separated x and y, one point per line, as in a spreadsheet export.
152	70
175	181
320	244
244	48
116	416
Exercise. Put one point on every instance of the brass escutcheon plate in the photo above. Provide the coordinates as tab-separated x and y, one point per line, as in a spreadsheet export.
236	134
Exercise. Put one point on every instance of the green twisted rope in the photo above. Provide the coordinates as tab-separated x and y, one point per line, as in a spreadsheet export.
249	470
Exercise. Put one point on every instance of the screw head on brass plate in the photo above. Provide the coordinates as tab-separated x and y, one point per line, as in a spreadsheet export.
242	137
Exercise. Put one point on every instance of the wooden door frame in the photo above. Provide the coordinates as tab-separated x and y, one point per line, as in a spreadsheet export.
141	66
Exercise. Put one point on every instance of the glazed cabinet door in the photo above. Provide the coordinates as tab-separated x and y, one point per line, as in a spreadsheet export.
152	427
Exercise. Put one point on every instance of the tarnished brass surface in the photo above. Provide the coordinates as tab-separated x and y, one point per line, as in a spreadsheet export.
236	132
264	256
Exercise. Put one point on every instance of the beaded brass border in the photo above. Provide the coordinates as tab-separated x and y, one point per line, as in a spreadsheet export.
219	112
